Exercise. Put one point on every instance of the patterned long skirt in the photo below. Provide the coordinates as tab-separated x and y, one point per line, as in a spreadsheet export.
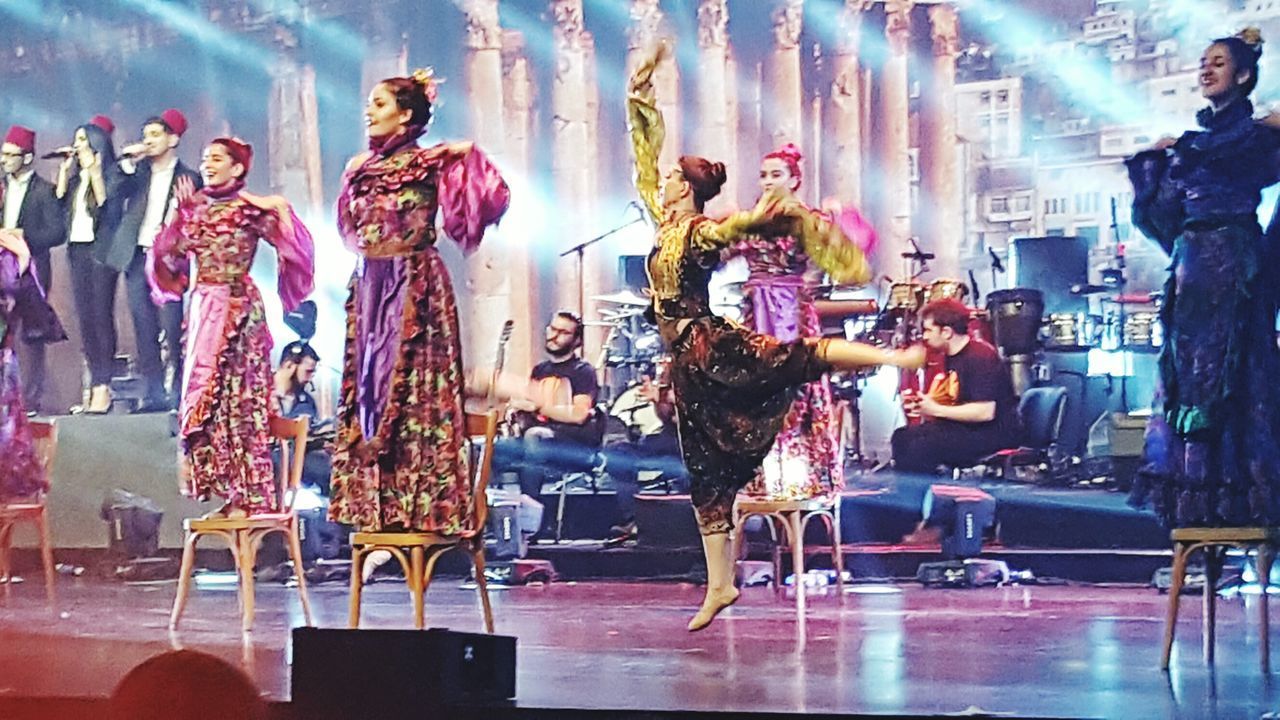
20	471
399	460
226	400
733	389
805	460
1213	458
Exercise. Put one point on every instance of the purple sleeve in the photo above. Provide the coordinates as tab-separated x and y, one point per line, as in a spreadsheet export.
168	270
296	264
473	196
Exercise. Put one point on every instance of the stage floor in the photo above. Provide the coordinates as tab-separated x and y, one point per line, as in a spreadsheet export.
1064	651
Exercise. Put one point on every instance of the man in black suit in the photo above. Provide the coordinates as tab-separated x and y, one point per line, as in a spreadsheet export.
160	181
31	208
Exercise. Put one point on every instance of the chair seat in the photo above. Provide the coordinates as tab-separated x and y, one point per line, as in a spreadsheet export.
1240	534
245	523
765	505
20	509
409	539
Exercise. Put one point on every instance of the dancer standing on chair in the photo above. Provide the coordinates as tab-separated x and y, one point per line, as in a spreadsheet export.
399	462
23	311
1212	457
732	387
226	400
805	460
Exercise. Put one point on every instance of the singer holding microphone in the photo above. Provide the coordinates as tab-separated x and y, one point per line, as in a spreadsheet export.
160	181
92	187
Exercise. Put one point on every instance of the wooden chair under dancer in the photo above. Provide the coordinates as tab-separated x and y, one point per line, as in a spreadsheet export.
32	510
244	535
1213	542
425	548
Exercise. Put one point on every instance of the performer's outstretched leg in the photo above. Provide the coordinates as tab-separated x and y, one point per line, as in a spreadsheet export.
846	354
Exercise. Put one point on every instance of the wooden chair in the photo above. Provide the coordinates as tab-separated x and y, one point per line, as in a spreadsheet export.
787	521
424	548
34	510
244	535
1214	542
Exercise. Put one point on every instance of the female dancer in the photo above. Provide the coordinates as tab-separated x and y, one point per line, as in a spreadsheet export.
805	461
1212	458
399	461
20	298
732	387
94	189
226	397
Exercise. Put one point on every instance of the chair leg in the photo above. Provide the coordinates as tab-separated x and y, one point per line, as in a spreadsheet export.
416	580
184	578
482	584
797	558
837	550
6	570
295	554
1212	570
357	585
248	555
1265	558
46	554
1175	592
779	533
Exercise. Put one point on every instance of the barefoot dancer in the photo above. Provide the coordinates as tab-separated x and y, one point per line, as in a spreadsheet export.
732	387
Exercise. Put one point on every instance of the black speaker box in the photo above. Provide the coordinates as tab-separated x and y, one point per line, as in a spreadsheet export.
397	673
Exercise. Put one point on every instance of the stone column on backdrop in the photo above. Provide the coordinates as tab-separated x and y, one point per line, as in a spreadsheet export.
733	138
844	175
518	109
783	115
713	128
293	131
571	155
388	55
893	212
942	212
488	299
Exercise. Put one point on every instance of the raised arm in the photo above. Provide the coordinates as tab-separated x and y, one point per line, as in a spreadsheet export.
644	123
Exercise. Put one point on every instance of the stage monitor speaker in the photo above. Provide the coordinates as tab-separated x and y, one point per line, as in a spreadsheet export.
632	272
1052	265
398	673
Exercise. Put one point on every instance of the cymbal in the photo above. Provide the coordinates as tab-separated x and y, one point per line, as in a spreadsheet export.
624	297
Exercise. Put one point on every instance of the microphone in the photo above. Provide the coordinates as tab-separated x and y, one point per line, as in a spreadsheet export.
62	152
995	261
133	150
1089	289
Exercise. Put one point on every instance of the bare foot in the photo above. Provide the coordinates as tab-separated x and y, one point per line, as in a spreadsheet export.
714	602
911	358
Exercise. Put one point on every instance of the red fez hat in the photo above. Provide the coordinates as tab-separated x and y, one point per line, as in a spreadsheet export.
175	120
239	150
103	122
24	138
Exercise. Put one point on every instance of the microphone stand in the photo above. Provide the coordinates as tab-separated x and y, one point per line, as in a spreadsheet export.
580	249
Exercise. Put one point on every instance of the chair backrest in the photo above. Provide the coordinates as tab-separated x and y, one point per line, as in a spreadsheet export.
291	435
482	425
1042	410
44	436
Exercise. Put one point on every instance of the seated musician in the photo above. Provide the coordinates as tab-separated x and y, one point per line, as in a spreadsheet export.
970	411
656	451
293	399
556	426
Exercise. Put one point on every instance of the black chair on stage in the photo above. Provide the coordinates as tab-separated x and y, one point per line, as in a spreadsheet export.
1041	410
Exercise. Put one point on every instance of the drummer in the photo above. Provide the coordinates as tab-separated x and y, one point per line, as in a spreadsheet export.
971	410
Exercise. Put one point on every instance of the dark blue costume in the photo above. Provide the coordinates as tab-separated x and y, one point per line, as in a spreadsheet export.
1212	458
